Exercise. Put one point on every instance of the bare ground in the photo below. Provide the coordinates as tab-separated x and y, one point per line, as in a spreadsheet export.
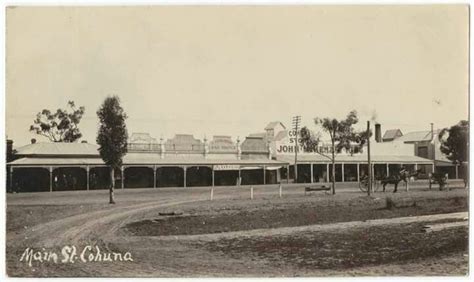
349	248
52	226
290	215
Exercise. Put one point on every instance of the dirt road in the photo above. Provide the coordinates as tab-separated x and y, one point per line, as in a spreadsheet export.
98	224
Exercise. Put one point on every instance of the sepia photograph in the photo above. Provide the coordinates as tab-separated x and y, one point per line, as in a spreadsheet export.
172	141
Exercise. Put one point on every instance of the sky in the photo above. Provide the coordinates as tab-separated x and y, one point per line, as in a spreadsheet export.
230	70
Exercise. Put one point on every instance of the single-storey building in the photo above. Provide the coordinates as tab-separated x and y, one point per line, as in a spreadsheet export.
184	161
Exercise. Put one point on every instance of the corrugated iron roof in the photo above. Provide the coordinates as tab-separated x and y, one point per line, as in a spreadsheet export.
56	161
252	144
355	158
274	124
139	137
260	134
391	134
416	136
183	139
59	149
143	159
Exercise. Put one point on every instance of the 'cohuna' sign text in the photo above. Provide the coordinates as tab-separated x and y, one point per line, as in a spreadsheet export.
288	145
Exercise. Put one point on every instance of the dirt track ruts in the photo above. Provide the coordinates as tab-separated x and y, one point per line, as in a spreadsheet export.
102	225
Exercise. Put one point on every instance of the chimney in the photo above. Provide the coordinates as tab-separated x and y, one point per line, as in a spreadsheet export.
432	132
378	133
9	150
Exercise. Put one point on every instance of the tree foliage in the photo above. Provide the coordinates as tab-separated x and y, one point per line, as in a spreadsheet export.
342	136
59	126
112	135
455	141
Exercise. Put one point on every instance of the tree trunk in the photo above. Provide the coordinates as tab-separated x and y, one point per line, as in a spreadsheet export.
333	160
112	185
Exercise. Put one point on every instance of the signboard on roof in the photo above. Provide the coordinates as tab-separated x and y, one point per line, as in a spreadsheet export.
222	143
288	144
293	142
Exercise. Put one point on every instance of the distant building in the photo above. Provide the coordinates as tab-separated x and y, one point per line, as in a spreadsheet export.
273	128
387	158
391	135
427	145
185	161
181	161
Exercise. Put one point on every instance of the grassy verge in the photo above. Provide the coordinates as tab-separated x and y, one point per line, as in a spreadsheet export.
309	213
347	249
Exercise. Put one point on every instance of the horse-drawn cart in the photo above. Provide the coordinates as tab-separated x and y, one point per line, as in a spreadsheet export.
392	179
364	184
439	178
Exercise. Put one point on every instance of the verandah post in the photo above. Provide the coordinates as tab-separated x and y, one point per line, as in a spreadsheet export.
327	172
342	172
358	172
50	179
184	169
240	177
122	168
212	167
87	174
10	171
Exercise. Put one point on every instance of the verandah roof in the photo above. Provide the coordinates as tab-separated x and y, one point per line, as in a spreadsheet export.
144	159
59	149
316	158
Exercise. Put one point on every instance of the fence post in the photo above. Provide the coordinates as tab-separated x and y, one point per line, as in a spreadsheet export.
251	192
447	184
212	193
429	180
280	190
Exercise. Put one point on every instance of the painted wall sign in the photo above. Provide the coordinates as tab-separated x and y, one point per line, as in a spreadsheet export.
222	147
293	142
226	167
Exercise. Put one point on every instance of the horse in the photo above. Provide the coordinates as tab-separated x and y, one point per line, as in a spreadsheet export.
395	179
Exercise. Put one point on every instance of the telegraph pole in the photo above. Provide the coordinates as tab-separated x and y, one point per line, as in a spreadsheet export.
369	188
296	123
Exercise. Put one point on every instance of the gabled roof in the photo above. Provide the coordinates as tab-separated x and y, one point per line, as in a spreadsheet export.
416	136
138	137
59	149
259	135
392	134
183	139
280	135
274	124
254	144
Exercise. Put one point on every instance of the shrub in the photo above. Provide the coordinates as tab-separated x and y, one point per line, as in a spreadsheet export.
389	203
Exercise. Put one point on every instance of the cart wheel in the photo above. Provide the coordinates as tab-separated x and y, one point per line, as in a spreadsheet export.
363	185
